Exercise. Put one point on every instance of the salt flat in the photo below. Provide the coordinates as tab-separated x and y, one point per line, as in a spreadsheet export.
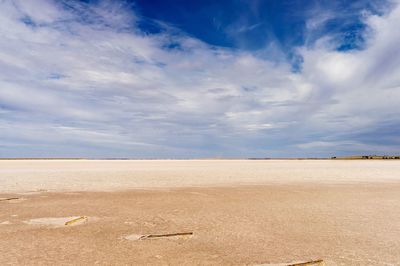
240	212
108	175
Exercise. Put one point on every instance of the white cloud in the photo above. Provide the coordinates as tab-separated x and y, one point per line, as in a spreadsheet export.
86	76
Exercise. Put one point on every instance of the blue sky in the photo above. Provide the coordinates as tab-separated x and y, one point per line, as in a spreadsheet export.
252	25
189	79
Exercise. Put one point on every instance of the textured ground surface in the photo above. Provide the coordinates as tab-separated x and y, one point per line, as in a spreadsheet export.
344	223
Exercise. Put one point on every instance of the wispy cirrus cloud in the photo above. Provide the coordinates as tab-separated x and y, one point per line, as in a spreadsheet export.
84	80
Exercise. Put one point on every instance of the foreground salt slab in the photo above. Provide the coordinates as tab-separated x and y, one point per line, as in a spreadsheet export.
58	221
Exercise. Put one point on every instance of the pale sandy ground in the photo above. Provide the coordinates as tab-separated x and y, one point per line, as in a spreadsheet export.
240	212
108	175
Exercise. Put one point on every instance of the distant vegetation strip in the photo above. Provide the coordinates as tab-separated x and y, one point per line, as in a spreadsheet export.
367	157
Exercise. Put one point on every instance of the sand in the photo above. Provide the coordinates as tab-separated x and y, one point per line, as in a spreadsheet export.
240	212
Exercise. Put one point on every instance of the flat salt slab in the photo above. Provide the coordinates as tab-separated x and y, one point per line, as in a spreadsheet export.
33	192
133	237
58	221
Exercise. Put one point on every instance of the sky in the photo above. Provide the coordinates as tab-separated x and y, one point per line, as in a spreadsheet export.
199	79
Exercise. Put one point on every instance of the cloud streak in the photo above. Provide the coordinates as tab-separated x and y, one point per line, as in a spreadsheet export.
84	80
